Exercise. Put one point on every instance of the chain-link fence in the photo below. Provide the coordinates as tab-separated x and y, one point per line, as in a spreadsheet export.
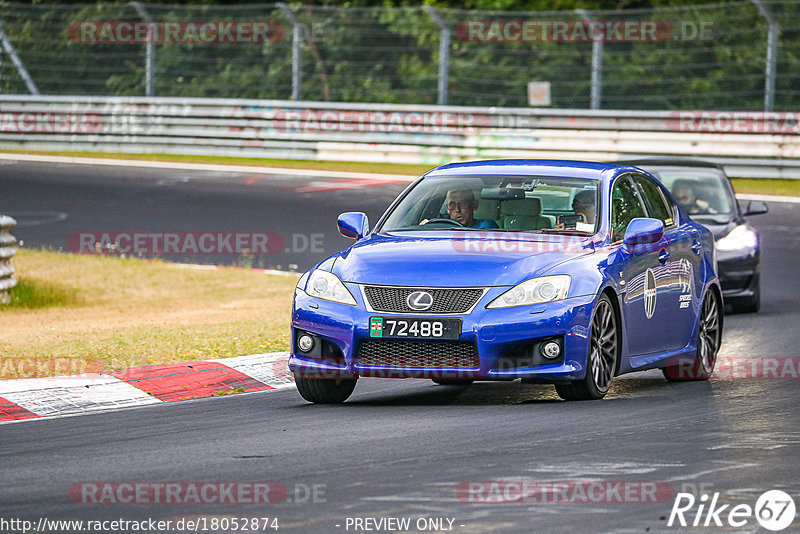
739	55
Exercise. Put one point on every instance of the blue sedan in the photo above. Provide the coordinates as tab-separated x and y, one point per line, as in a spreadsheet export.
559	272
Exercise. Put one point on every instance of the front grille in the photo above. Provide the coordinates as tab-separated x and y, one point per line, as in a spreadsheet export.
393	299
437	355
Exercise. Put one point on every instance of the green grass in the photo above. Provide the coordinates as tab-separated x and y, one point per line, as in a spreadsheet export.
344	166
73	314
761	186
33	294
767	186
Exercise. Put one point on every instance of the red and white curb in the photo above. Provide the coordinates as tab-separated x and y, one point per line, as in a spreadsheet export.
30	398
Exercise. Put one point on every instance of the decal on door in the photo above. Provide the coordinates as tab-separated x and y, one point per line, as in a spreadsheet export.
650	293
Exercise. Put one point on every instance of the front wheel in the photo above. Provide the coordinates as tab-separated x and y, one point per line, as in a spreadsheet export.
602	359
709	335
325	390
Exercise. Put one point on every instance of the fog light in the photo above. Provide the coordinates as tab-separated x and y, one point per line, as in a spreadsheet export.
551	350
305	343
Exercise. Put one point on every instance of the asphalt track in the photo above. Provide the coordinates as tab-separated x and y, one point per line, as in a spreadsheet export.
52	202
399	448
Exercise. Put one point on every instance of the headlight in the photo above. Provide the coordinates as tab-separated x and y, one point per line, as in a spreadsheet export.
534	291
741	237
325	285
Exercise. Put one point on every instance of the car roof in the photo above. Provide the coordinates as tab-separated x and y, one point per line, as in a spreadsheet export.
670	162
528	167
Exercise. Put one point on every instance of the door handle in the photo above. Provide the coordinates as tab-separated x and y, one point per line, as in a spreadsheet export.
663	256
697	246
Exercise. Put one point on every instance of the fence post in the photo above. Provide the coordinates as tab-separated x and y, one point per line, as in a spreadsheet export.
150	51
772	54
597	65
297	71
444	53
23	72
7	250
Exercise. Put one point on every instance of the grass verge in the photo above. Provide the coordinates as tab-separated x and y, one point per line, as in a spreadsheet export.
344	166
767	186
762	186
73	314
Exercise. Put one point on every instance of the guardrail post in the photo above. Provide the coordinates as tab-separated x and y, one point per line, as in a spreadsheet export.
23	72
7	250
297	41
597	65
772	54
150	57
444	53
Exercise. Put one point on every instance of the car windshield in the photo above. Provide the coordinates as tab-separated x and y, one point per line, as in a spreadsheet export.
502	203
702	192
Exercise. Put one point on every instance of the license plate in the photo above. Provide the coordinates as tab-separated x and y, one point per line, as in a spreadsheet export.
414	328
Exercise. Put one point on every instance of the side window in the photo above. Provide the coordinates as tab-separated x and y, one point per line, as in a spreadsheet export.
654	200
626	205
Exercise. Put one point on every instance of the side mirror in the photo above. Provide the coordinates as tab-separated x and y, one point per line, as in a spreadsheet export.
353	224
641	231
756	207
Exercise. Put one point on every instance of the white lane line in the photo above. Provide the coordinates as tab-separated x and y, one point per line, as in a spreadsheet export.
71	394
269	368
204	267
204	167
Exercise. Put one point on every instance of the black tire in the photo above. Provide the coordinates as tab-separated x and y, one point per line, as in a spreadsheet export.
325	390
451	382
751	305
601	361
709	337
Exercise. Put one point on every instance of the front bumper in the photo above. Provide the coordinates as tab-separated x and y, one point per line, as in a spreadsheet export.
507	340
739	274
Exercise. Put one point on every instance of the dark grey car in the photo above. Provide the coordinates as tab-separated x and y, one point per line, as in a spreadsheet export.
715	206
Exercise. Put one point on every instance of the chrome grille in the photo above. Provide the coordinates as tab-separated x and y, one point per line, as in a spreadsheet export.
437	355
445	300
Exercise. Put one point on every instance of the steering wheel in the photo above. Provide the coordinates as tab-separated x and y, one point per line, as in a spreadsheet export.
443	220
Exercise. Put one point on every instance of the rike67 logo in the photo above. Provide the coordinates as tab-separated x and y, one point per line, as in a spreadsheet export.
774	510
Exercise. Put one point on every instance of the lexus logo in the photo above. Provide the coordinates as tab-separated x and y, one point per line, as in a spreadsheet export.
650	293
419	300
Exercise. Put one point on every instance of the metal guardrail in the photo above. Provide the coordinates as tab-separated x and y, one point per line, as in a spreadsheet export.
7	251
750	144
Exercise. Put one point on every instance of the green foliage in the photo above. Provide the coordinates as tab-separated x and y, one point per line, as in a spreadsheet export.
380	51
33	295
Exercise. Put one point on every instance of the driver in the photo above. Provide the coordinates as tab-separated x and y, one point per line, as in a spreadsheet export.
684	193
461	205
583	204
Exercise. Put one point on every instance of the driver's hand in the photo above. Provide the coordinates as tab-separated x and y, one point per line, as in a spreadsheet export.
423	222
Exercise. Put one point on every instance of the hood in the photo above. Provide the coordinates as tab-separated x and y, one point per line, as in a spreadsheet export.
719	229
455	258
